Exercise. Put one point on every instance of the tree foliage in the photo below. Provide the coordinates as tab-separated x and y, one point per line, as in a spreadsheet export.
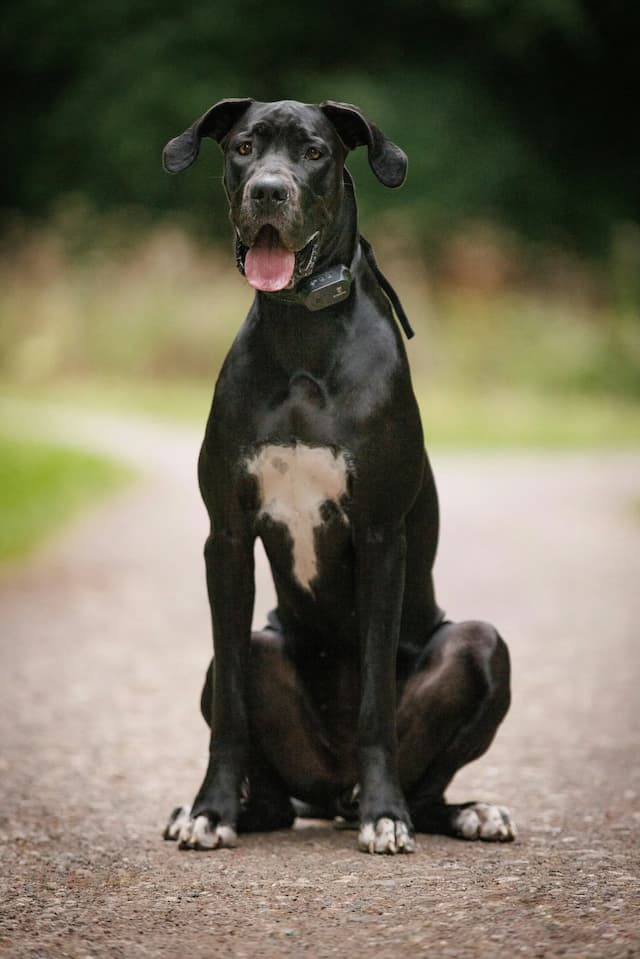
517	111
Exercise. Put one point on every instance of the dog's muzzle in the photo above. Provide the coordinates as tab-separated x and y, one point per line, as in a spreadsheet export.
273	249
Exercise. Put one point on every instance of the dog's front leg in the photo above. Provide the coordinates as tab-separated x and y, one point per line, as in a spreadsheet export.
230	584
385	825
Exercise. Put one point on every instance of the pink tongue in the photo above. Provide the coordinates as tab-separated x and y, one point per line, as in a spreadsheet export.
268	265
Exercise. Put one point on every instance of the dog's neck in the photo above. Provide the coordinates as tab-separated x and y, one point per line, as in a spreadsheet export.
335	266
344	256
341	246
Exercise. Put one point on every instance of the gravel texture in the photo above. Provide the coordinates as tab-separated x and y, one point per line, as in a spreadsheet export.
104	643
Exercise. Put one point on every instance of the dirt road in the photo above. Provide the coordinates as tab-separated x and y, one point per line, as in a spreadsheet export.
104	641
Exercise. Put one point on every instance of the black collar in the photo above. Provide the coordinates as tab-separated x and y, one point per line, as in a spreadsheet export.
333	285
322	289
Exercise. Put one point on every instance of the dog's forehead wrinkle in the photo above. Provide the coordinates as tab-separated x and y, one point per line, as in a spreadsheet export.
289	117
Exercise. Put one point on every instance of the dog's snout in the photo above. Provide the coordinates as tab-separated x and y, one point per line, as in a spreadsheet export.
269	190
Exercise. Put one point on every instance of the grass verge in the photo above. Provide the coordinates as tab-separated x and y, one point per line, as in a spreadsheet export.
452	417
42	487
507	419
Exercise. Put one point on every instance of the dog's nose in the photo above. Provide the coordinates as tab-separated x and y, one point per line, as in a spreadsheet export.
269	190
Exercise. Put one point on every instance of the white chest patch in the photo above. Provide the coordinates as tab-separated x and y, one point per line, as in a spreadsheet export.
294	482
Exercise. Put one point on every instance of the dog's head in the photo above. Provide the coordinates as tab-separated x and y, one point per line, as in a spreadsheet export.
284	177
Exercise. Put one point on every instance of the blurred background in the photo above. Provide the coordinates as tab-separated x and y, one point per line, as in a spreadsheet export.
515	243
515	247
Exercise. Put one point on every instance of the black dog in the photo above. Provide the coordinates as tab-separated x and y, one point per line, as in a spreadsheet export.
358	698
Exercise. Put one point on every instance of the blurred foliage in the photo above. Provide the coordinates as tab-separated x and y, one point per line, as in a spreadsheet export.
517	112
144	304
515	244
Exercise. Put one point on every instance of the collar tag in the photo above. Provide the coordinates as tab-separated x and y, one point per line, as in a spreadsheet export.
325	289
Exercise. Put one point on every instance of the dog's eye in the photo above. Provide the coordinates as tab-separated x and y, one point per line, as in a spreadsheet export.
245	148
312	154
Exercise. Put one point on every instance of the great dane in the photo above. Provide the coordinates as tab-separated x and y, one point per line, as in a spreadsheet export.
358	698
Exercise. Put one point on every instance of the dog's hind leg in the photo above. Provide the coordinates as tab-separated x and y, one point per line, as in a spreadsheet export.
289	754
448	714
265	803
286	727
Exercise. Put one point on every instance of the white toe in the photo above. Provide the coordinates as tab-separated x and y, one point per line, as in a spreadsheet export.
179	818
467	823
485	821
404	840
367	837
386	836
198	833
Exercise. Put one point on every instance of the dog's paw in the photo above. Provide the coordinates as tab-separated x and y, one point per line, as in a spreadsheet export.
386	836
484	821
197	832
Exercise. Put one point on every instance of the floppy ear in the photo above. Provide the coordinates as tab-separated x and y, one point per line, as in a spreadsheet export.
180	152
387	161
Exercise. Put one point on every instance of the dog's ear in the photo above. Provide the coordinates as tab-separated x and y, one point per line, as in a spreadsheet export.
387	160
180	152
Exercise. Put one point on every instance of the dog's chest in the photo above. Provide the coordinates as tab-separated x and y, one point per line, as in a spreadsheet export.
295	484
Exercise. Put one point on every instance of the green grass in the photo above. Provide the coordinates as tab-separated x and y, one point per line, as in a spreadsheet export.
510	419
42	487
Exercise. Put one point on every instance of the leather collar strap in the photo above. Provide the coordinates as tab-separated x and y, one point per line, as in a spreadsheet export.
391	294
331	286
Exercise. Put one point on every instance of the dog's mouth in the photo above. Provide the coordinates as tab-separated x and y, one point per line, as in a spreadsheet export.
269	265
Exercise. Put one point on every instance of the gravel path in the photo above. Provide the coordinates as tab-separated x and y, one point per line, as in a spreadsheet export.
104	642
